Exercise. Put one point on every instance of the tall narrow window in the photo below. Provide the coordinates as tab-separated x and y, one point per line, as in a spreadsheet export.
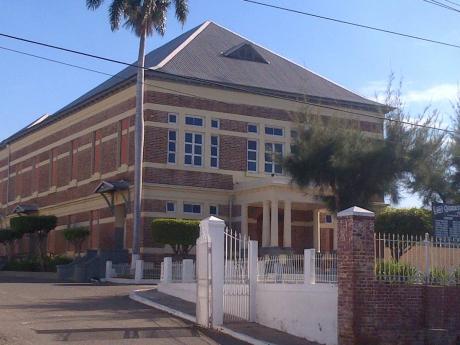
273	155
214	151
252	155
172	147
193	149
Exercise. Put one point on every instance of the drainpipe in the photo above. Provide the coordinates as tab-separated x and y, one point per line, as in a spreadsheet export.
230	209
8	147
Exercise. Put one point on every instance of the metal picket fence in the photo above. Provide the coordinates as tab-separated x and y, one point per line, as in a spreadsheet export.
123	270
417	259
326	267
152	270
281	269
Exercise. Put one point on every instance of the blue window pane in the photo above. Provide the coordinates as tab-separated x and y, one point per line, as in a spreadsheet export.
188	148
213	151
279	148
198	121
268	147
196	208
170	207
278	131
252	128
268	157
189	120
214	162
213	210
188	137
172	135
198	138
172	118
252	155
198	150
214	140
171	158
215	123
172	147
197	160
188	208
268	167
252	166
252	145
269	130
278	169
188	159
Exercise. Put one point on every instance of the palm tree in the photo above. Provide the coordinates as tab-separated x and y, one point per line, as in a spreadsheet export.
144	18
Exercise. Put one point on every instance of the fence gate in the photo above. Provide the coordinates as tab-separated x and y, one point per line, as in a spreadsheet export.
236	292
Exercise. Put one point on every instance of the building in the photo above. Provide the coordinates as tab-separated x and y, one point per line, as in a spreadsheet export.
218	108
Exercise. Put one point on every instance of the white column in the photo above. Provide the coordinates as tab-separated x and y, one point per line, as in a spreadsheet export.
187	271
266	224
108	269
244	219
214	228
167	270
274	224
287	232
309	266
139	271
252	265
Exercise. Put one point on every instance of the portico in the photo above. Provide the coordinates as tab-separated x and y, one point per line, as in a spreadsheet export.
279	215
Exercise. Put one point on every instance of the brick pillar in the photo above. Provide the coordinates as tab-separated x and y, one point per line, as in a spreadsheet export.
355	251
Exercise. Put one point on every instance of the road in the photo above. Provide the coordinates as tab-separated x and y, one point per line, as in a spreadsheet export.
40	311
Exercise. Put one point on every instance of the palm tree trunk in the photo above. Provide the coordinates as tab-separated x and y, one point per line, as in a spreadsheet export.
138	150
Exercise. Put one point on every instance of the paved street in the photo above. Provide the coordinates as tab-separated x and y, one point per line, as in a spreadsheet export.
39	311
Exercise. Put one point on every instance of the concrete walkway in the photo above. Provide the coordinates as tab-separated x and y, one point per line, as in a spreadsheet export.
250	332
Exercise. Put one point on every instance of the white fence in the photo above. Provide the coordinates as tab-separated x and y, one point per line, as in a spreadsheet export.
141	272
309	268
152	270
417	259
178	271
123	270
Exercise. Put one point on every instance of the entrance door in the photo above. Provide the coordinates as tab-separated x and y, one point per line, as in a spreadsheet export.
120	217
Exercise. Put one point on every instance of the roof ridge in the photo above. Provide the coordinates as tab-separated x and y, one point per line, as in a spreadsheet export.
176	51
295	63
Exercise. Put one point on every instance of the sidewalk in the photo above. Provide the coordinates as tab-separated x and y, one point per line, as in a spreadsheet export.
250	332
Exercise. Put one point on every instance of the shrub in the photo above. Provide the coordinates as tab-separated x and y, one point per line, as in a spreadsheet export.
76	236
180	234
7	238
395	271
34	265
404	221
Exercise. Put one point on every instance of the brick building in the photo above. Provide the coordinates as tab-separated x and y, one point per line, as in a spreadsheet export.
218	109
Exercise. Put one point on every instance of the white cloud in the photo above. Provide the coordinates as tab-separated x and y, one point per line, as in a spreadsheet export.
436	93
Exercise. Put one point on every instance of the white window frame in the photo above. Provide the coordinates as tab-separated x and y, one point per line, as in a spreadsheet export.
175	146
217	210
176	116
252	160
252	124
174	207
218	123
192	204
273	128
193	154
216	156
193	117
273	157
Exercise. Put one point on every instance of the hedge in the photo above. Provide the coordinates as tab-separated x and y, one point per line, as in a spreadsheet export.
180	234
404	221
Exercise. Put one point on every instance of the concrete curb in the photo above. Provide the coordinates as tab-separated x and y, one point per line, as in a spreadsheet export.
243	337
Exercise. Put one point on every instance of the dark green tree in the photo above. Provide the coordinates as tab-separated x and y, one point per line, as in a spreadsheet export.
38	225
8	237
76	236
180	234
144	18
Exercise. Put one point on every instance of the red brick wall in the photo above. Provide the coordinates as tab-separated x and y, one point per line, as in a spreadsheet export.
156	145
233	151
379	313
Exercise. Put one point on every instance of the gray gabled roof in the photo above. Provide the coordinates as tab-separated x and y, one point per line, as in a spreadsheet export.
199	55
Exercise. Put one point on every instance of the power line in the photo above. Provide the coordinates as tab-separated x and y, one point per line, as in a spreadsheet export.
442	5
363	26
237	88
452	2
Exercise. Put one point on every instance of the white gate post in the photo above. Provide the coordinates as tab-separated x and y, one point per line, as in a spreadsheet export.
252	266
309	266
214	229
108	269
167	270
187	271
139	271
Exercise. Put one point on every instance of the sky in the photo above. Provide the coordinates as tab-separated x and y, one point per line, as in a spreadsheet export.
358	59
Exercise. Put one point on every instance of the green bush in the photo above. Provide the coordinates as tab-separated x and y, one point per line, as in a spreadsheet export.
76	236
404	221
395	271
33	264
180	234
